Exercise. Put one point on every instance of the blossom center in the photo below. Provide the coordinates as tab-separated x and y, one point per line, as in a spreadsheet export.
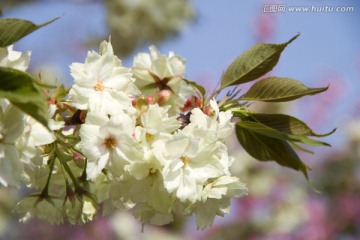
149	137
99	86
185	160
153	172
110	143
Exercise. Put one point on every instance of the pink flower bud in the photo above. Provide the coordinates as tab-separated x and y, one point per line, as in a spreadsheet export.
163	96
191	103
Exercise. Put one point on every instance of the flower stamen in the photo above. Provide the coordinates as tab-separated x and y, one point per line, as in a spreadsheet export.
149	137
99	86
110	143
185	160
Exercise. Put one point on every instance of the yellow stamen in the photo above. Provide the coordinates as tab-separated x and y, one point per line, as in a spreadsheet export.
185	160
149	137
110	143
99	86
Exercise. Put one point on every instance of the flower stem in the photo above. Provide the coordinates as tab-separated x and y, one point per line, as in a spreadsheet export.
71	175
45	191
61	139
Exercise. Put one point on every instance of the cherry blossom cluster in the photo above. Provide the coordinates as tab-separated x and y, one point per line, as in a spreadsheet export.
125	138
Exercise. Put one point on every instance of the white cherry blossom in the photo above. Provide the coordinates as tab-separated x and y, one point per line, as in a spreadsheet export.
109	141
189	162
132	151
43	208
11	128
102	84
155	72
82	211
219	125
216	197
156	124
14	59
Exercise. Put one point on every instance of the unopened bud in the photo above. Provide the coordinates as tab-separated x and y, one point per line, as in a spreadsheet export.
163	96
79	159
150	100
191	103
52	101
207	111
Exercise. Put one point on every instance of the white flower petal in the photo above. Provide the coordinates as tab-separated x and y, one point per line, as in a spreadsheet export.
10	166
94	167
12	124
187	189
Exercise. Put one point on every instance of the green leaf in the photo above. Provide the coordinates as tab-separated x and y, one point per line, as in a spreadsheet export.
60	92
275	89
239	112
19	88
306	140
268	131
13	29
200	88
254	63
265	148
300	148
287	124
262	129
